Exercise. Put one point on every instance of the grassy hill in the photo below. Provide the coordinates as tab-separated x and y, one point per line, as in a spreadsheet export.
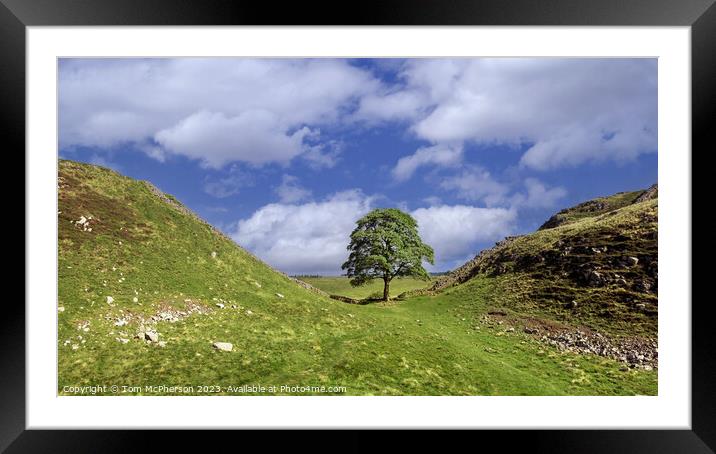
586	280
600	270
146	288
600	205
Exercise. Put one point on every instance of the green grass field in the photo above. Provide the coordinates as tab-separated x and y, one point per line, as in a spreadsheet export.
340	285
145	257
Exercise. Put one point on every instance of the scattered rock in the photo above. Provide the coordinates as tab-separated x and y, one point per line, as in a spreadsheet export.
135	300
151	336
279	295
632	261
223	346
122	340
110	300
643	286
84	223
635	352
219	305
61	309
162	343
529	330
595	279
213	254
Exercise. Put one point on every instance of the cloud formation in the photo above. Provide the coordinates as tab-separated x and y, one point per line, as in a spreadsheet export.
476	184
440	155
220	110
567	111
453	231
290	191
255	137
307	238
216	110
538	195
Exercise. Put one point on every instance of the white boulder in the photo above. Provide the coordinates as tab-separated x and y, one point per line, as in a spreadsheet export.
223	346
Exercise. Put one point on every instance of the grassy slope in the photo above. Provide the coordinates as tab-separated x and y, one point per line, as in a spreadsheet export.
341	286
142	246
592	208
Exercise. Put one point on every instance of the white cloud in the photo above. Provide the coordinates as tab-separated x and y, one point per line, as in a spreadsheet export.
312	237
308	238
154	152
217	110
475	184
290	191
323	156
396	105
213	138
453	231
538	195
570	111
439	155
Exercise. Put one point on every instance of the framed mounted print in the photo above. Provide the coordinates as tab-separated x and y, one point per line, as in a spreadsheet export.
464	217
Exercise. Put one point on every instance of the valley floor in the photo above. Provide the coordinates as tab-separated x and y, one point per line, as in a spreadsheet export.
430	345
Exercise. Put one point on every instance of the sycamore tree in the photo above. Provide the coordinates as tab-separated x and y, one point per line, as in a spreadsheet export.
385	244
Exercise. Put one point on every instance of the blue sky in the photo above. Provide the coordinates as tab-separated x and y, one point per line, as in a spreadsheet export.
285	154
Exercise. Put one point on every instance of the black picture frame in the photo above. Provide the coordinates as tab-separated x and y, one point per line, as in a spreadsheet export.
700	15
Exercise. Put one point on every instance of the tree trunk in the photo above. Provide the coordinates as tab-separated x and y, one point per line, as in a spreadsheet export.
386	289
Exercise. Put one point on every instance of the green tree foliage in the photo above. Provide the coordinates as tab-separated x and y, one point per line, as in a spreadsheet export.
384	245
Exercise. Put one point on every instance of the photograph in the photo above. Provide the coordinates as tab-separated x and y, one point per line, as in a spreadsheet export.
437	226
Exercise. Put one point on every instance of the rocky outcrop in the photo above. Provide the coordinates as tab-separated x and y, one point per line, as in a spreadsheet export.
649	194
